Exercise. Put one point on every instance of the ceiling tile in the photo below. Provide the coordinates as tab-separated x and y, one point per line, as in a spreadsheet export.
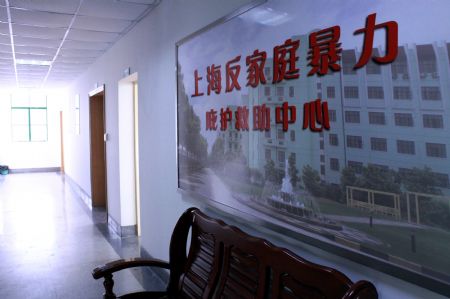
32	68
10	76
65	6
5	39
34	57
99	24
148	2
3	15
66	59
39	26
23	75
9	68
5	49
112	9
6	57
36	42
80	53
7	80
36	18
38	32
6	66
72	44
6	69
27	75
60	73
27	84
4	28
60	78
92	36
62	66
35	50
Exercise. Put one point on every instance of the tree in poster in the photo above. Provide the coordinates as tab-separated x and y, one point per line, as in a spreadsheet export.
371	177
217	156
376	178
420	180
311	180
194	144
348	177
434	211
273	174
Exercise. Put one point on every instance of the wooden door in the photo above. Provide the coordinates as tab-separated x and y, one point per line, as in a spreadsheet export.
98	156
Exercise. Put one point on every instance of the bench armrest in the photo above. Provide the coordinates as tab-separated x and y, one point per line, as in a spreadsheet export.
118	265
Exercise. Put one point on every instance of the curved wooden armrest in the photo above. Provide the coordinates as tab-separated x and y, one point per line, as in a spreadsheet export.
118	265
361	290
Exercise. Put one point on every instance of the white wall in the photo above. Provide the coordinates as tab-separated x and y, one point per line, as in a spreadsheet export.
149	49
19	155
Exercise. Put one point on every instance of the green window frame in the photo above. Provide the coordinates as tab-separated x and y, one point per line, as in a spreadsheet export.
29	123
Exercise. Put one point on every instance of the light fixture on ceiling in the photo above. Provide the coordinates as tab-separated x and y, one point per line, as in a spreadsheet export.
33	62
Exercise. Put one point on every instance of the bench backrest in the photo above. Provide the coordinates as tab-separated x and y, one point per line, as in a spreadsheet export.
224	262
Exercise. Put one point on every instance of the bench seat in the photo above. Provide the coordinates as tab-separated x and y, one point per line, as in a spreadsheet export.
225	262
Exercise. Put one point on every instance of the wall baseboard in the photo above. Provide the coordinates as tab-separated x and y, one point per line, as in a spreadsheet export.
113	226
121	231
80	192
30	170
162	274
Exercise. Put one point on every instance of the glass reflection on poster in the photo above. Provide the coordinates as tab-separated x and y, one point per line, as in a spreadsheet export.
331	117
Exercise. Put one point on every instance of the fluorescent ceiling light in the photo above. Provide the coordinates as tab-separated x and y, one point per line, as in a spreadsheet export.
33	62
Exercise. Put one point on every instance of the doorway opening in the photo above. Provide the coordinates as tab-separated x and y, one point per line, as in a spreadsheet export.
97	146
129	152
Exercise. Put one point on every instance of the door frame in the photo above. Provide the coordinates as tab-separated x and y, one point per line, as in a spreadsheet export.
93	93
61	128
129	151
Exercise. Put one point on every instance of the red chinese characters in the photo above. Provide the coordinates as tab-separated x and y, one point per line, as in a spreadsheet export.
315	117
284	60
197	78
323	56
214	79
369	32
324	51
285	115
232	74
255	70
226	116
314	113
261	118
241	118
284	68
211	120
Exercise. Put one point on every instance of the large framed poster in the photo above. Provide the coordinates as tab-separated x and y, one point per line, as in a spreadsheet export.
329	120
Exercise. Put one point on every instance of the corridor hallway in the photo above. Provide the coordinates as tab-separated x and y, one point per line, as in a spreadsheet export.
50	242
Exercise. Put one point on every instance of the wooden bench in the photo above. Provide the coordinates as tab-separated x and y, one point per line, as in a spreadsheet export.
224	262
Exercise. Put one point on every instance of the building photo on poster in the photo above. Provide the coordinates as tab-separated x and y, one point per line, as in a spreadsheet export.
329	118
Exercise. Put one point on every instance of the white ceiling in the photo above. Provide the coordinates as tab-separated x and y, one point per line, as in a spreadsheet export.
67	34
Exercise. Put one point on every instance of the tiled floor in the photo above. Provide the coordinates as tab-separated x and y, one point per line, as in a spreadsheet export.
50	242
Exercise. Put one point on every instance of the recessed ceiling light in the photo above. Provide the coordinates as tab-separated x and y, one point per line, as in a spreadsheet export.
33	62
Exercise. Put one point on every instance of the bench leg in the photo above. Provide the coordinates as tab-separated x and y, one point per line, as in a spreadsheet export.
109	284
